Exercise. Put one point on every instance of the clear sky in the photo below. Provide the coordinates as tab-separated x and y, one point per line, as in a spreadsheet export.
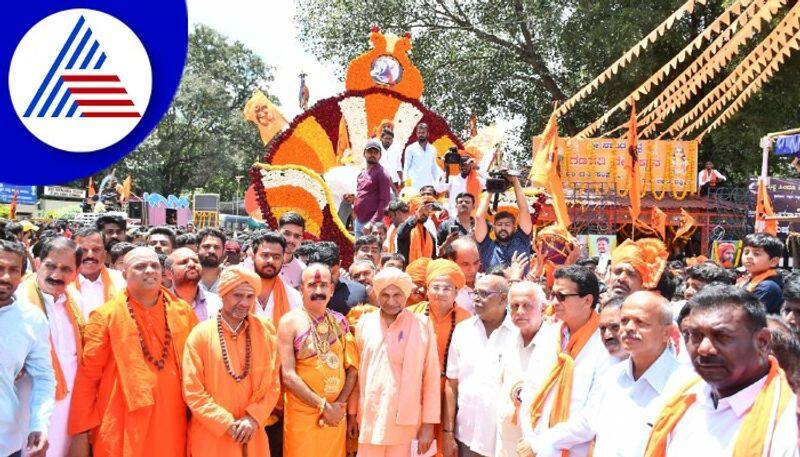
267	27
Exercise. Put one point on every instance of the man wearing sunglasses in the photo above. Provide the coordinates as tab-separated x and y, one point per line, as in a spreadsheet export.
566	365
474	361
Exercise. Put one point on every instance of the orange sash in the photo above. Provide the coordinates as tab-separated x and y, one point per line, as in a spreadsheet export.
758	424
561	376
473	184
280	301
758	279
390	239
109	290
421	244
33	294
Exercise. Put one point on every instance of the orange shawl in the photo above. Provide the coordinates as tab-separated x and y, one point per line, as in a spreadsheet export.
391	236
421	243
33	294
560	376
758	279
280	301
109	289
756	427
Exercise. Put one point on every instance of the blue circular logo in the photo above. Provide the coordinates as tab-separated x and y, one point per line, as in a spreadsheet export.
87	82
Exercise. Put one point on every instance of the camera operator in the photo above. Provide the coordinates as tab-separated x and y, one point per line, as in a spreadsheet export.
469	179
509	238
414	238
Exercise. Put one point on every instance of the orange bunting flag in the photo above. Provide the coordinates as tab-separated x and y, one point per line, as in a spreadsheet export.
763	210
12	208
544	171
343	143
687	226
90	188
632	167
262	112
658	221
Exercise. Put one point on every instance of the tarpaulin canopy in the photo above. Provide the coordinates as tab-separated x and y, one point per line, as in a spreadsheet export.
788	145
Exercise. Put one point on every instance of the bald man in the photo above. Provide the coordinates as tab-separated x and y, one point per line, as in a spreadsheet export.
319	365
185	272
129	380
464	252
526	301
472	365
399	392
635	390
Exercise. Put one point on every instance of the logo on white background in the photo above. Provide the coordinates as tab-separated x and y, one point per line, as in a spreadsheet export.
80	80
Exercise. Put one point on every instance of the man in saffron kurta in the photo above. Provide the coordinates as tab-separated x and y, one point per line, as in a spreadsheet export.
231	380
743	405
444	279
319	367
56	267
128	389
399	397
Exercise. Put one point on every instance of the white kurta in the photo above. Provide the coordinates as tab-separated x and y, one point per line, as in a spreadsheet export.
512	373
635	404
291	273
713	431
294	297
93	292
63	337
591	362
475	360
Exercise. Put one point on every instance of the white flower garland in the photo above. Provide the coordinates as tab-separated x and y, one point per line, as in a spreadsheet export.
405	120
354	111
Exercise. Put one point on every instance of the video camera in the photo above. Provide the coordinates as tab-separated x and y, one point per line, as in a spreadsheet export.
452	157
497	183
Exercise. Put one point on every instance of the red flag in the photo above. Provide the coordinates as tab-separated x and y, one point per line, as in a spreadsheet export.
632	166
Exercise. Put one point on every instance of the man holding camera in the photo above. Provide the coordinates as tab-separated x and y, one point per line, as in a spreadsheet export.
510	236
414	238
468	180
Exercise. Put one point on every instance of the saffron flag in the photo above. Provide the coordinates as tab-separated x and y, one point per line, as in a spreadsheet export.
763	210
687	226
544	171
12	208
125	191
90	188
658	221
632	167
262	112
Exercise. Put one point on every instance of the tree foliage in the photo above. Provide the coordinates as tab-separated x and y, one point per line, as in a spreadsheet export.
514	58
203	139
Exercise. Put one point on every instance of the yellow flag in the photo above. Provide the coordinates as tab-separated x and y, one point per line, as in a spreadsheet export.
544	171
262	112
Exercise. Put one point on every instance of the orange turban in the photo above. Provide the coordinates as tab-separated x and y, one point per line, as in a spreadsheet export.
647	256
234	275
392	277
418	270
443	267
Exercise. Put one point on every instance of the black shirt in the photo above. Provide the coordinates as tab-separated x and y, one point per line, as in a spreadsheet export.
346	295
404	237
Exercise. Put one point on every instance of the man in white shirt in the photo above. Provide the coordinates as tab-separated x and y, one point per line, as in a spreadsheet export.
57	266
96	283
743	404
183	268
210	251
25	349
291	226
473	365
630	396
709	178
526	301
390	158
610	328
420	161
456	184
572	341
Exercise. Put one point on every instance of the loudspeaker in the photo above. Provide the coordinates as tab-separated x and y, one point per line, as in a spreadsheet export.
206	202
135	210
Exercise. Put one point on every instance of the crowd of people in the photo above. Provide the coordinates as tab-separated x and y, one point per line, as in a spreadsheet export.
441	337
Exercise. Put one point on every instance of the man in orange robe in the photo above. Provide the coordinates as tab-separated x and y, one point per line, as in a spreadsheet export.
444	279
318	363
127	391
231	380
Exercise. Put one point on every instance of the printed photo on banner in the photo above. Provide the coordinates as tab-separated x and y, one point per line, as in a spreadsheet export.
602	245
727	252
